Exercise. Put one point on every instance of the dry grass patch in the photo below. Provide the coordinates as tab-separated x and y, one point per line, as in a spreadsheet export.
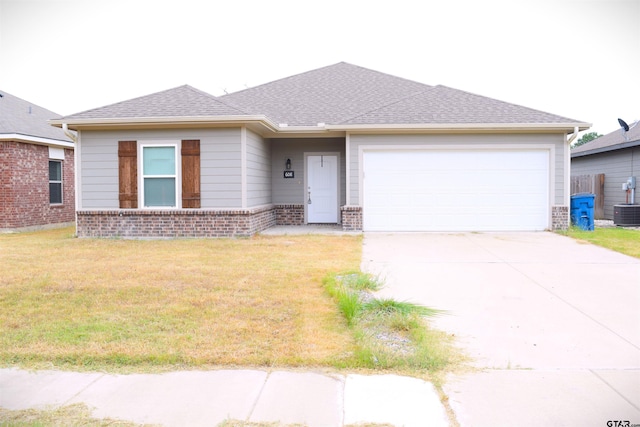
114	304
77	415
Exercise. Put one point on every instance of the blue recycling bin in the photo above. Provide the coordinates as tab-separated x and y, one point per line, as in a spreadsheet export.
582	210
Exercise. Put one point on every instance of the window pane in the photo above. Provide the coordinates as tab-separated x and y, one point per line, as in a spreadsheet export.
55	171
55	192
159	160
159	192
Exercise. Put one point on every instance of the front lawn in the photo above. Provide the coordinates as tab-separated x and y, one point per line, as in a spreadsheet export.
624	240
167	304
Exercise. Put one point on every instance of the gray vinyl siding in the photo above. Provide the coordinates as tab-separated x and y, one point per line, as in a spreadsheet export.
258	170
291	191
616	166
558	140
98	170
220	168
220	164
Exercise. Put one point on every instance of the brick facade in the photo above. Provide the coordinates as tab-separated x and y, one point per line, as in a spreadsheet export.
24	187
175	223
351	218
560	217
289	214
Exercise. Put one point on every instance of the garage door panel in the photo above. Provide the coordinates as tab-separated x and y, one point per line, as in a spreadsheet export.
451	190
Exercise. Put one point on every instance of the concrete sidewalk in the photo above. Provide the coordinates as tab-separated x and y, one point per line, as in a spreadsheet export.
207	398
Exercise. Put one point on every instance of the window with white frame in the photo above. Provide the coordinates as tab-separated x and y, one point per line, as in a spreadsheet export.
55	182
159	178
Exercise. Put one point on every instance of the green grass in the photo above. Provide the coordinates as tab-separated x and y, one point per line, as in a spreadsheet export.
623	240
390	334
391	306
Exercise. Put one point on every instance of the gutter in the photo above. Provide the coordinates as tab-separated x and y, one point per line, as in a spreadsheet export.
614	147
320	128
35	140
133	121
486	127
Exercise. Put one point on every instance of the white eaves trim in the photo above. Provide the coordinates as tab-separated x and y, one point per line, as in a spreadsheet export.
241	119
35	140
485	127
321	127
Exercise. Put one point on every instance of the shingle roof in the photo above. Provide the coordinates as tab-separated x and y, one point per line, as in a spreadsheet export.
442	104
18	116
609	142
182	101
328	95
339	94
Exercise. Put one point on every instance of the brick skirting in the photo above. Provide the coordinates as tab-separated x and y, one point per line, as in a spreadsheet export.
289	214
351	218
560	217
174	223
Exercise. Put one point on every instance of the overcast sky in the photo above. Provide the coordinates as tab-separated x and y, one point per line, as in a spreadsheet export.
575	58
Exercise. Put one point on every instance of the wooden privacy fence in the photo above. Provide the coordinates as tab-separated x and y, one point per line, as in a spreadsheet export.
593	184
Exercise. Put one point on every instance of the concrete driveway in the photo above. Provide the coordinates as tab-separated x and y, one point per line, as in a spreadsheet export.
553	324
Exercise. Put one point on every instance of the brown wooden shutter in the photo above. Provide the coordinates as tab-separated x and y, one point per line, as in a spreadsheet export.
191	173
128	174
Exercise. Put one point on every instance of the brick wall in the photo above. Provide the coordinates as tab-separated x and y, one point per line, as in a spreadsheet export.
24	187
175	223
351	218
560	217
290	214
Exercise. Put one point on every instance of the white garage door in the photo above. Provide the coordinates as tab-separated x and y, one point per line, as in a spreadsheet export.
456	190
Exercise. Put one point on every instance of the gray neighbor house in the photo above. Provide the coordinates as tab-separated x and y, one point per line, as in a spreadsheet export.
337	145
617	156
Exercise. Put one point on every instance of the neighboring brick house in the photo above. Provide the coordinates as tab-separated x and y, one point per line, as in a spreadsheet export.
36	167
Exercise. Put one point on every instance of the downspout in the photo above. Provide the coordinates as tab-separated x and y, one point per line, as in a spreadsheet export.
567	174
69	134
76	169
574	135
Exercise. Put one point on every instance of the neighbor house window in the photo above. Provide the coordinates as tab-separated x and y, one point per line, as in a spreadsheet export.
55	182
159	175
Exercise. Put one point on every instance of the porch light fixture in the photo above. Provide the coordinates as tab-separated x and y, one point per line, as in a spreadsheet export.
288	164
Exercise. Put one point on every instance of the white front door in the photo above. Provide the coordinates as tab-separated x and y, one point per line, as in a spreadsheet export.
322	189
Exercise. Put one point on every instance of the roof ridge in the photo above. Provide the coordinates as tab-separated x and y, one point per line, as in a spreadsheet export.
315	70
185	86
504	102
4	92
215	98
413	95
122	102
388	75
281	79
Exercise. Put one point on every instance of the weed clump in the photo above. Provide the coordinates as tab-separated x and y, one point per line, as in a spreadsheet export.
388	333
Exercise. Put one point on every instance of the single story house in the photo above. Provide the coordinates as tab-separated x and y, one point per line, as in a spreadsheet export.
617	156
337	145
36	167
